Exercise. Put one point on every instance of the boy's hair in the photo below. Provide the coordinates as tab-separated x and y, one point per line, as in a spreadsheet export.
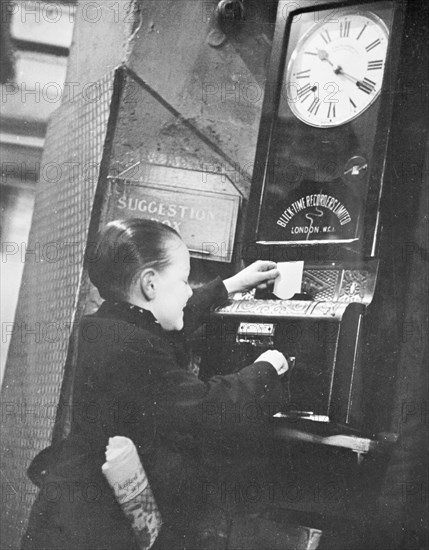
124	249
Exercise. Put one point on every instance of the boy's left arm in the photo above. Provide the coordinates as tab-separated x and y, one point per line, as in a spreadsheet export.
200	303
260	274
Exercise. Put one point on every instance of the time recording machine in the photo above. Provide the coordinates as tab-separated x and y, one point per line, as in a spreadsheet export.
316	198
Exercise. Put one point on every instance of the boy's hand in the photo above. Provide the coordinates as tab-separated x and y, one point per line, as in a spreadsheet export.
259	274
276	358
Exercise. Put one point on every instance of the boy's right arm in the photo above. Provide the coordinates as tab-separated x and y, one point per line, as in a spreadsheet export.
184	403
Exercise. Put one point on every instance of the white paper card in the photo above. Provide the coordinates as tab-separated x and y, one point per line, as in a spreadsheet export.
289	281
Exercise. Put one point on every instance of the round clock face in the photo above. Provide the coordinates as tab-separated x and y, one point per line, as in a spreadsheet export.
336	70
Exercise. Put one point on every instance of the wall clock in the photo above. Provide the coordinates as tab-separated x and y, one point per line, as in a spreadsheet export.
336	70
319	163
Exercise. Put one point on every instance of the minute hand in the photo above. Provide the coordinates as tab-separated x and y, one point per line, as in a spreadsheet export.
366	85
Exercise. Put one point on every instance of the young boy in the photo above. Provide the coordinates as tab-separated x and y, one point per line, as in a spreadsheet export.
132	380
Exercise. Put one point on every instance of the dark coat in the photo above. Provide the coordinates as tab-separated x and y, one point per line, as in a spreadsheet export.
132	379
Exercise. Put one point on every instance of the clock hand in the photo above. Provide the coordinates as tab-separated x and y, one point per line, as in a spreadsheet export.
366	85
340	70
324	56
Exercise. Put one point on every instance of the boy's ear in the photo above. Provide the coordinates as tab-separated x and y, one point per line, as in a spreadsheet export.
148	283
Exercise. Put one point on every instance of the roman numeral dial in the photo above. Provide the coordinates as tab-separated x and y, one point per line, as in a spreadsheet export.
335	73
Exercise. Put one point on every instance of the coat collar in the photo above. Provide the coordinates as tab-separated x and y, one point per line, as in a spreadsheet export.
129	312
143	318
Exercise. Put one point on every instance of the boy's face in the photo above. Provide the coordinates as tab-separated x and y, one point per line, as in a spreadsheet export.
172	288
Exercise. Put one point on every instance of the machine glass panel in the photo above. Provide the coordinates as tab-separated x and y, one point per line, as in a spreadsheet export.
321	154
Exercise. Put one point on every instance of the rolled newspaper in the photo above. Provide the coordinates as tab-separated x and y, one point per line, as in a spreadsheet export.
125	474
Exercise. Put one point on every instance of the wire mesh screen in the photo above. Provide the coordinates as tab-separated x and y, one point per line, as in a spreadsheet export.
47	301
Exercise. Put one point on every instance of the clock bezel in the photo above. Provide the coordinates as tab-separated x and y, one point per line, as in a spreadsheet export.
367	246
311	31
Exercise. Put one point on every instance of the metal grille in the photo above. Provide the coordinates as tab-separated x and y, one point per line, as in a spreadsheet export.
48	295
320	283
342	285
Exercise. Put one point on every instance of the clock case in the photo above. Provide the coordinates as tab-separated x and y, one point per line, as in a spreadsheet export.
372	130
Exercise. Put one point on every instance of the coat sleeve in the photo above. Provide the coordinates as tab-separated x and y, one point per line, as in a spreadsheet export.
203	298
184	403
